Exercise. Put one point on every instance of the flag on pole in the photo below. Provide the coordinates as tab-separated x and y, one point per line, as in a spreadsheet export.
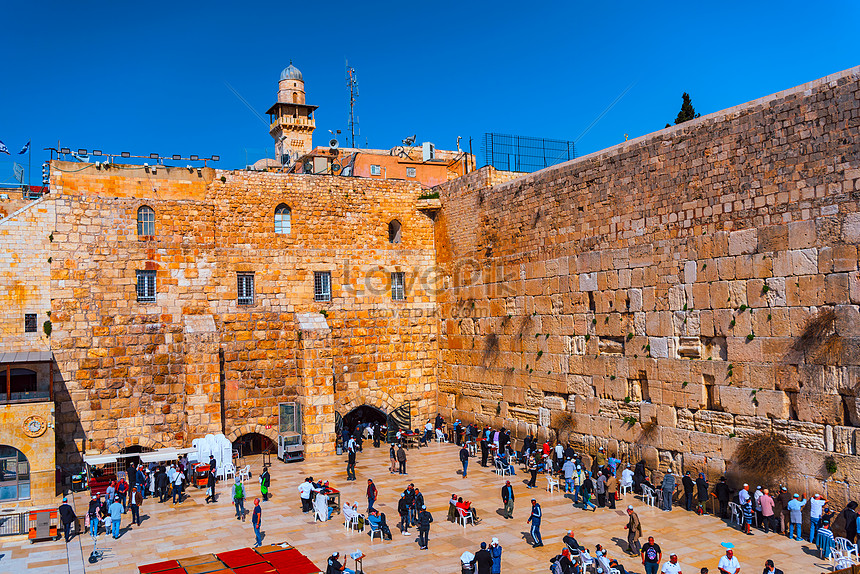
4	149
19	171
24	149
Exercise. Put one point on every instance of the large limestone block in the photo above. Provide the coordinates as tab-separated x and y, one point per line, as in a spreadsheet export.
772	404
743	241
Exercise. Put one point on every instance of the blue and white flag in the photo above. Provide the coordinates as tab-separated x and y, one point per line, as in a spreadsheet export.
24	149
4	149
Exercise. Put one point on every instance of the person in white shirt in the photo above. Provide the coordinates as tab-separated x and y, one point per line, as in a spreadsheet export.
744	494
757	503
816	503
729	564
627	477
305	490
672	566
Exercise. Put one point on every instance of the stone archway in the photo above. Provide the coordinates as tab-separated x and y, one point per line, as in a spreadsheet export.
379	400
141	441
270	433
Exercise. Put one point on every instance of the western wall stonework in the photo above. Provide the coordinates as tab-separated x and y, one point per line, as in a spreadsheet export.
195	361
658	297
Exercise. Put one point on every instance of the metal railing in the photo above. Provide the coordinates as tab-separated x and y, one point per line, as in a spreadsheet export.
13	523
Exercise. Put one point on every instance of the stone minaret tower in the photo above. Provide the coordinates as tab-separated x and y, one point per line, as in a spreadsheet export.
291	120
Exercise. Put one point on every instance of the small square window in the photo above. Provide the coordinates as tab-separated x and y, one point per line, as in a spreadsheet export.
30	323
411	172
397	286
375	170
245	288
146	286
322	286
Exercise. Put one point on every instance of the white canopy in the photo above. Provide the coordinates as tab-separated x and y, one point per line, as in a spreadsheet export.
164	454
93	459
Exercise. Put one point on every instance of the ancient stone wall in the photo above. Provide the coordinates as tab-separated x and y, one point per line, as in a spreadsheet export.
163	373
670	295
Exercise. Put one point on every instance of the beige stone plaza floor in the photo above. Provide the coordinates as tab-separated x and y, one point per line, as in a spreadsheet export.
195	528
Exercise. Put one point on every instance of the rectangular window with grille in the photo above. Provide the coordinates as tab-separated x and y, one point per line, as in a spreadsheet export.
245	288
375	170
411	172
30	323
398	292
322	285
146	286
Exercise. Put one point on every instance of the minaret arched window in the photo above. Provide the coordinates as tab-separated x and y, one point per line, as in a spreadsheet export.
283	218
394	231
145	221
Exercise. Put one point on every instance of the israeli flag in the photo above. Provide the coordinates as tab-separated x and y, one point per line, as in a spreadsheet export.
24	149
4	149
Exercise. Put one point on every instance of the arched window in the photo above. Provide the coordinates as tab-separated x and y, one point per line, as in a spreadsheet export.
145	221
282	219
14	474
394	231
295	98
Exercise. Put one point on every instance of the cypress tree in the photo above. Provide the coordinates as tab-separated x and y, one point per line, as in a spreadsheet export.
688	112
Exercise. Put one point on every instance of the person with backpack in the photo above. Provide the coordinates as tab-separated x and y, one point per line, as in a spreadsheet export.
239	499
265	481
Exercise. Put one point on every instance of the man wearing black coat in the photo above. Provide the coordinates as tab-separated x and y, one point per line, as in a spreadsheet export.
483	560
721	489
688	490
67	517
424	520
161	482
508	499
210	486
485	451
403	511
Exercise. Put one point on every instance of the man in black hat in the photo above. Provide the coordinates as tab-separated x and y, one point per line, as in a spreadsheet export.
67	517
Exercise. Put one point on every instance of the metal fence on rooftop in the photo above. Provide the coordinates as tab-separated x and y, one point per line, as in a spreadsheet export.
525	154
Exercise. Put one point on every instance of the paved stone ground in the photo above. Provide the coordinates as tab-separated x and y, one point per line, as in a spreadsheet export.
195	527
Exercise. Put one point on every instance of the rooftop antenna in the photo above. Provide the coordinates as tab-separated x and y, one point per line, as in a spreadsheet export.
352	84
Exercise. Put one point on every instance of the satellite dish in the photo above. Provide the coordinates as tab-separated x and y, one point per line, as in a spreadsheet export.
333	143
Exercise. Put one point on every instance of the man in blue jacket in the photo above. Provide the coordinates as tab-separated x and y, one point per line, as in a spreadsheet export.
534	519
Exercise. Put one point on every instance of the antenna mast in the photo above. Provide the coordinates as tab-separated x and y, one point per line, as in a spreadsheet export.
352	124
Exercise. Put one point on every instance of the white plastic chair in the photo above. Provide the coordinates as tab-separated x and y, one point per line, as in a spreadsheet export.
245	473
464	518
375	531
552	483
352	523
840	561
648	495
626	487
737	515
844	546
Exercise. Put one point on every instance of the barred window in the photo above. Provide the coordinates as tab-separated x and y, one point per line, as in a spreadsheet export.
29	322
145	221
322	286
410	172
146	286
375	170
398	292
283	219
245	288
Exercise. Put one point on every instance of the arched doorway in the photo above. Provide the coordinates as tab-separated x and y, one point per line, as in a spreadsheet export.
253	443
14	474
363	414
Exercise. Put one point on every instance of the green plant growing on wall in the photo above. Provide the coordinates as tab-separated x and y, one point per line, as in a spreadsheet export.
50	259
704	266
830	465
684	384
545	337
627	399
742	308
732	323
606	320
51	237
587	336
47	327
539	354
765	288
223	179
685	306
324	313
48	313
594	321
629	336
769	316
751	336
611	377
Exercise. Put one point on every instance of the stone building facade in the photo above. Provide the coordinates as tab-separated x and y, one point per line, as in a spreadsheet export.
670	295
196	360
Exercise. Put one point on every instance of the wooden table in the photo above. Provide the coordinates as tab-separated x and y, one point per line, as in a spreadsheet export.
334	494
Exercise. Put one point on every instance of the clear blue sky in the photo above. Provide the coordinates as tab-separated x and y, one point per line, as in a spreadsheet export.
150	76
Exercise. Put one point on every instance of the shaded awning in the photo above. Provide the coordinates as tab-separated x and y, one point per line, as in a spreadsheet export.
26	357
